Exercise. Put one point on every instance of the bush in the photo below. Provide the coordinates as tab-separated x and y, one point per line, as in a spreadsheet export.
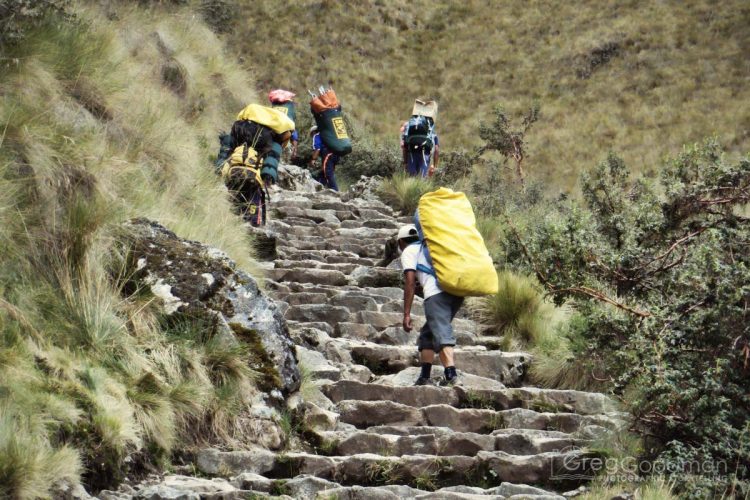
370	159
454	166
658	270
220	15
402	192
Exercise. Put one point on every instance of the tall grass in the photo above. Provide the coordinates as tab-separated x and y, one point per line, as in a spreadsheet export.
527	320
520	313
91	135
402	192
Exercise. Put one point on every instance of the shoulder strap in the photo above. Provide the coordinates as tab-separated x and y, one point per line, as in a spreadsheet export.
422	267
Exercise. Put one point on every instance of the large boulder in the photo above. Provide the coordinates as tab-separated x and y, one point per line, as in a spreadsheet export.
193	280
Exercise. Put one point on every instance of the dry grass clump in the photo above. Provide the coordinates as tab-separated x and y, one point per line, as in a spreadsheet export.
402	192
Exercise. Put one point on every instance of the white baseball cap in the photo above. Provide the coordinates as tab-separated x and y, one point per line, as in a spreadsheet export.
407	231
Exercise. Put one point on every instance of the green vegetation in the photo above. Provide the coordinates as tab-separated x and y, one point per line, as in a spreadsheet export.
638	78
657	270
520	313
402	192
656	488
107	115
638	288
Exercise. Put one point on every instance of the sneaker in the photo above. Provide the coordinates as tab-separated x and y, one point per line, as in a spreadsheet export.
450	382
424	381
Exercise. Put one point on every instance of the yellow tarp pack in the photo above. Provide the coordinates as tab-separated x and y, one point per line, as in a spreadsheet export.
269	117
462	264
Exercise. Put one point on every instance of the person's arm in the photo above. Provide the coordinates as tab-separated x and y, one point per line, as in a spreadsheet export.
294	149
315	154
410	286
434	163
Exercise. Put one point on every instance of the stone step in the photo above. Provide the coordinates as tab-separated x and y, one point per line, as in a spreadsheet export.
306	486
369	469
363	414
345	268
326	256
381	223
549	400
285	210
315	276
443	442
383	359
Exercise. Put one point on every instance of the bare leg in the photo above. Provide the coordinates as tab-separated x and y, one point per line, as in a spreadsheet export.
427	356
446	356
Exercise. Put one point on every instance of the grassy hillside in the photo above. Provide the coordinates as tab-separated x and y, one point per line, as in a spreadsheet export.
105	116
640	78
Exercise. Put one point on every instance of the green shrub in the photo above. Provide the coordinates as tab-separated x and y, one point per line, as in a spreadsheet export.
658	272
402	192
370	159
454	166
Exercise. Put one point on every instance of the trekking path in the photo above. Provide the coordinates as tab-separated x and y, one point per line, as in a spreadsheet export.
372	435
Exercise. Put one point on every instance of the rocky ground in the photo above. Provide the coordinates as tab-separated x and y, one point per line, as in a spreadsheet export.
358	429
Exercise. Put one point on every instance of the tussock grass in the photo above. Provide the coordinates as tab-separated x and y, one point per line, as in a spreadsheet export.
91	134
527	320
520	313
403	192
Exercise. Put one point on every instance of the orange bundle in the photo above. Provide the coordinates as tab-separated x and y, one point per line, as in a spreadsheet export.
326	100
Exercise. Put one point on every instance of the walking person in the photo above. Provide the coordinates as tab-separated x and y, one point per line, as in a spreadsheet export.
329	160
436	336
420	146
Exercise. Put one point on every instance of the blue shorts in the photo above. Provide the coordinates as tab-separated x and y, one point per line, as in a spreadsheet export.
437	331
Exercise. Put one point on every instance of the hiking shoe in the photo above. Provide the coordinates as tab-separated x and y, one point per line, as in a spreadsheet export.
450	382
424	381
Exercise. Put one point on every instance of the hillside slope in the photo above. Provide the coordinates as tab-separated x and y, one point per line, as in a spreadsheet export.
639	78
107	114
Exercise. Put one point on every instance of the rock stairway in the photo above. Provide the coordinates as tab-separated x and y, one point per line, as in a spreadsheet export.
368	433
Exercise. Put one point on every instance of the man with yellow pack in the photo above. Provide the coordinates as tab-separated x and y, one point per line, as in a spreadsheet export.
436	336
446	253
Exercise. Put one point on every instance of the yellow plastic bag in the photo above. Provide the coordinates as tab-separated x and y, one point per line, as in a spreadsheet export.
460	259
269	117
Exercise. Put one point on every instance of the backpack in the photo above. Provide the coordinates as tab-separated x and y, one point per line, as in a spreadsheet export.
419	133
276	120
453	246
253	134
288	108
326	111
243	166
242	176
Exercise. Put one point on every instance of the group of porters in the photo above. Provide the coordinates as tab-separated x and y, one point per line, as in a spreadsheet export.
248	162
249	154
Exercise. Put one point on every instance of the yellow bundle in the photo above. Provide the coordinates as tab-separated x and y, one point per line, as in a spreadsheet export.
460	259
272	118
243	164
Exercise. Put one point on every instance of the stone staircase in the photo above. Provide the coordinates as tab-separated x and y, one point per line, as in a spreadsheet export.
367	432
